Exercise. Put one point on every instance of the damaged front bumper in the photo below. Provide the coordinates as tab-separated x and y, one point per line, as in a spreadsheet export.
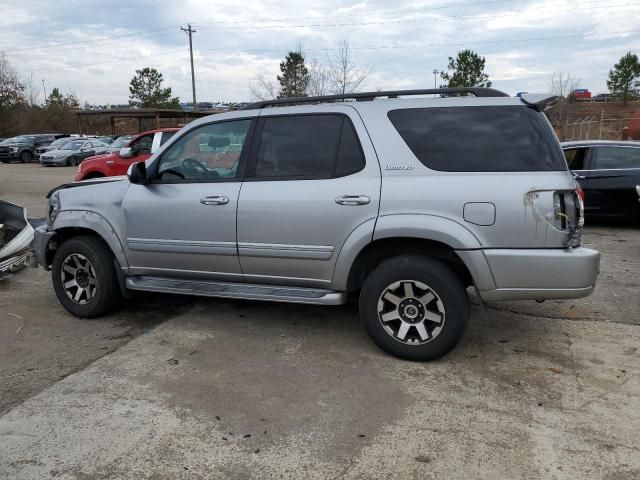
15	263
41	238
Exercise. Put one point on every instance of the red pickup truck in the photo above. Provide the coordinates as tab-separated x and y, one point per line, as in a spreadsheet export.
138	149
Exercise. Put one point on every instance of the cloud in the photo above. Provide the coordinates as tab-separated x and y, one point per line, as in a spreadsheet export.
94	47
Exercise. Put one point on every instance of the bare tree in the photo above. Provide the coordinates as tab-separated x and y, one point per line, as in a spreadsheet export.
319	79
263	89
345	75
11	88
31	92
563	85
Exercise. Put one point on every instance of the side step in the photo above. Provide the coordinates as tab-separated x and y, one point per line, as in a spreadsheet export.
247	291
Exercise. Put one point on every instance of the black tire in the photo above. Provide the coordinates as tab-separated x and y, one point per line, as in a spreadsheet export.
107	295
72	162
441	280
26	157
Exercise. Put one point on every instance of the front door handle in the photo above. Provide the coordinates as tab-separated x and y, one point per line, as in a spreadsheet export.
353	200
215	200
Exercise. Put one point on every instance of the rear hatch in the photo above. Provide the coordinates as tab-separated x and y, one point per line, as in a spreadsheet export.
497	169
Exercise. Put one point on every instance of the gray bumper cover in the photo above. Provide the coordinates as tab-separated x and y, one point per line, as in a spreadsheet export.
41	238
541	274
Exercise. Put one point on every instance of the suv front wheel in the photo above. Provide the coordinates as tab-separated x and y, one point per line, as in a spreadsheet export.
84	277
415	308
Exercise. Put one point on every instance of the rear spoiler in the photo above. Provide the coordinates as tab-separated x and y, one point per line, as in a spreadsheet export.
539	101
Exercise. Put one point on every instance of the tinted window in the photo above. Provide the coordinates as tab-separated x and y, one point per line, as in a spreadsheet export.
166	136
480	139
575	158
208	152
308	146
350	156
616	157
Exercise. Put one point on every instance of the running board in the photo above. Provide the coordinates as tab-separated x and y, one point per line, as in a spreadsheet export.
247	291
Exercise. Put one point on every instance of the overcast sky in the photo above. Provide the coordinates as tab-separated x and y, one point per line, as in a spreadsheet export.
92	48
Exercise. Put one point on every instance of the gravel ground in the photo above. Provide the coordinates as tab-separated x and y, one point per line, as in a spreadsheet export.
177	387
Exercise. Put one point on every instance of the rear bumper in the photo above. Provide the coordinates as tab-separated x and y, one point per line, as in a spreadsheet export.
8	157
541	274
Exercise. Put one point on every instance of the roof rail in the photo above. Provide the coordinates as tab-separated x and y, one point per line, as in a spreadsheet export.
366	96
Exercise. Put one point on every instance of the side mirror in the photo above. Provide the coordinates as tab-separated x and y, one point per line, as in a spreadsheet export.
126	152
137	173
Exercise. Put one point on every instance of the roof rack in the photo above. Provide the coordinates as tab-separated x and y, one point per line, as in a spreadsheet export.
366	96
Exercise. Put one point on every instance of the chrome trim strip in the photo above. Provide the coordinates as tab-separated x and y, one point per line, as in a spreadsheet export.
279	250
182	246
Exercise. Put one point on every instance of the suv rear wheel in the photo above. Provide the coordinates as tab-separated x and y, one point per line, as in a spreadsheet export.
84	277
414	308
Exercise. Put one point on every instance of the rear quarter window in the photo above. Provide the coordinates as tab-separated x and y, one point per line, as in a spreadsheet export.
480	139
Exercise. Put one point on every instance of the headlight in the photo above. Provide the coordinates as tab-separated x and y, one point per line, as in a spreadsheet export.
54	208
13	149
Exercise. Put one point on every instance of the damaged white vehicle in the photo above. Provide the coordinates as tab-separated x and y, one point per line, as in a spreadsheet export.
16	236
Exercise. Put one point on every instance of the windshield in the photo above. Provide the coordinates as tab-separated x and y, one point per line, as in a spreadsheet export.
72	146
59	142
121	141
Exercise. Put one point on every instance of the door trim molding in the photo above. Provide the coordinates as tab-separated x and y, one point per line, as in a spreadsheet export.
280	250
182	246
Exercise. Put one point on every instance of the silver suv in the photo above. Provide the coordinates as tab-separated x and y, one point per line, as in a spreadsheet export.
405	201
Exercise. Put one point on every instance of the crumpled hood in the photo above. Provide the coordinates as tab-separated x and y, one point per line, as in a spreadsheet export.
84	183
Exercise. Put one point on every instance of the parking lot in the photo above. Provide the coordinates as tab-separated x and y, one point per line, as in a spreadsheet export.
178	387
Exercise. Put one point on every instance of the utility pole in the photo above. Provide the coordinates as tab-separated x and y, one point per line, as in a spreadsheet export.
45	92
435	79
189	31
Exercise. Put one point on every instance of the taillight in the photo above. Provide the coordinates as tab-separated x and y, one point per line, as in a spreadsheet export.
580	207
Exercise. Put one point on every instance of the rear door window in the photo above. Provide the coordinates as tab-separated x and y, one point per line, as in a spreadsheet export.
308	146
575	158
480	139
616	158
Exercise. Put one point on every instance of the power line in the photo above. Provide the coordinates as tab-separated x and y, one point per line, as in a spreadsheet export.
418	20
89	42
423	45
135	59
362	14
371	47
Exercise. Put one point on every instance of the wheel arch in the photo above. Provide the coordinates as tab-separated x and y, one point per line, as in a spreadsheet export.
70	223
394	235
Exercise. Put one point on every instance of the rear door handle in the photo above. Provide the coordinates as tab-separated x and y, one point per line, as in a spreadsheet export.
353	200
214	200
578	176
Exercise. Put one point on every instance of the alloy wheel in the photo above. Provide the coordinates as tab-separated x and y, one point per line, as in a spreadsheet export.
78	278
411	312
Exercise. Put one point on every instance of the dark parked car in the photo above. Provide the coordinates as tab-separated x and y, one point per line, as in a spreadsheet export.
23	147
609	174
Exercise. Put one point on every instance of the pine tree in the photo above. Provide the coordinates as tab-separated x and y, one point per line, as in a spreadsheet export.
295	76
146	90
624	77
466	70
